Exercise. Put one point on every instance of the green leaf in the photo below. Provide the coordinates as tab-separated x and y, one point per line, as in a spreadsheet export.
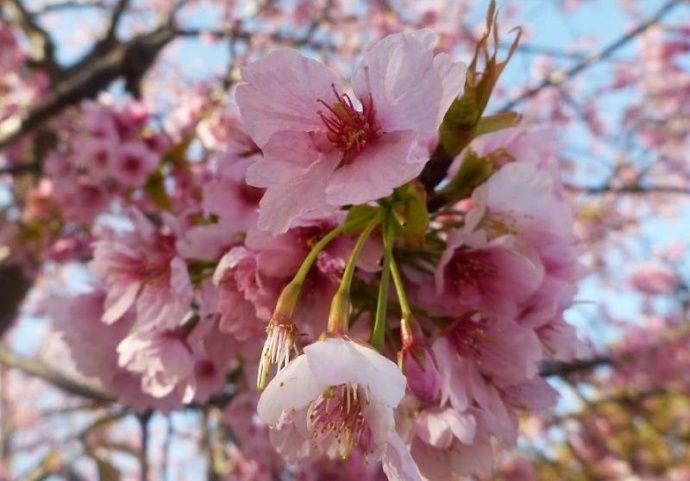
473	170
494	123
155	190
463	117
411	213
359	213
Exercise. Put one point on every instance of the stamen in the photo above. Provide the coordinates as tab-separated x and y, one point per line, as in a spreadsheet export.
337	418
347	128
280	343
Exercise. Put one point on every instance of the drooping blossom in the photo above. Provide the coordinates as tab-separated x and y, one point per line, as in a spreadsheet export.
336	397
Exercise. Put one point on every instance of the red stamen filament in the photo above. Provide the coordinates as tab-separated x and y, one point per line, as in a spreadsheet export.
349	129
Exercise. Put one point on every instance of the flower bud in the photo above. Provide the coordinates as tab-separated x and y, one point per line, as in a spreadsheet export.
419	367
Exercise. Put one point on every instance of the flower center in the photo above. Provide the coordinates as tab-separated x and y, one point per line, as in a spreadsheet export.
468	334
470	268
349	129
337	420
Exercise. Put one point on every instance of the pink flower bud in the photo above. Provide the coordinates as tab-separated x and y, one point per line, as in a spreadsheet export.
423	378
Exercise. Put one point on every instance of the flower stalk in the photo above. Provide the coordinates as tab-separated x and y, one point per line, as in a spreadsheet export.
338	317
281	332
379	331
408	324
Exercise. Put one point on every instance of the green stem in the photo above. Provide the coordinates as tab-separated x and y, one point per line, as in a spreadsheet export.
400	291
340	306
378	334
302	272
287	301
408	325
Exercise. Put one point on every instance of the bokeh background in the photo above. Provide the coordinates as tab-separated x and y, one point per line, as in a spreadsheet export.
610	79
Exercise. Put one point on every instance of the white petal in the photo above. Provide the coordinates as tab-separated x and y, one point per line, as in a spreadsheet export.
338	361
292	389
397	461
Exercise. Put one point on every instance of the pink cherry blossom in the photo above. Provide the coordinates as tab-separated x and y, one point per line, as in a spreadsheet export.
140	266
319	148
654	280
494	277
132	164
245	297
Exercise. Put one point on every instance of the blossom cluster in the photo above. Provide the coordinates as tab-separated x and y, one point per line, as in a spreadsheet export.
111	151
394	333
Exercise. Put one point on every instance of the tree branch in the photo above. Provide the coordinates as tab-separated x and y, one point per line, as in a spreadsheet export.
130	60
27	168
37	369
13	286
118	11
558	368
42	47
629	189
560	76
69	4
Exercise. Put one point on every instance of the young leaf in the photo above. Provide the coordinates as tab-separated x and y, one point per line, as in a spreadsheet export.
461	121
411	212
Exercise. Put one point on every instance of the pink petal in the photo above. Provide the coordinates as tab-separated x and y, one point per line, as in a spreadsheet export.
302	195
382	166
118	300
281	92
285	156
452	81
406	89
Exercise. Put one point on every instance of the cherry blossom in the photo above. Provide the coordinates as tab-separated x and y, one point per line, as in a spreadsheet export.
294	105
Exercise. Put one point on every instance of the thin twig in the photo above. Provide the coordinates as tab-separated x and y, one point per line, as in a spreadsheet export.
69	4
36	368
557	368
560	76
629	189
144	420
115	18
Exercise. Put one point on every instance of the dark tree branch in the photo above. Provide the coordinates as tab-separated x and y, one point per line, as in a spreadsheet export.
13	287
42	48
38	369
130	60
563	369
560	76
435	171
27	168
629	189
118	11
